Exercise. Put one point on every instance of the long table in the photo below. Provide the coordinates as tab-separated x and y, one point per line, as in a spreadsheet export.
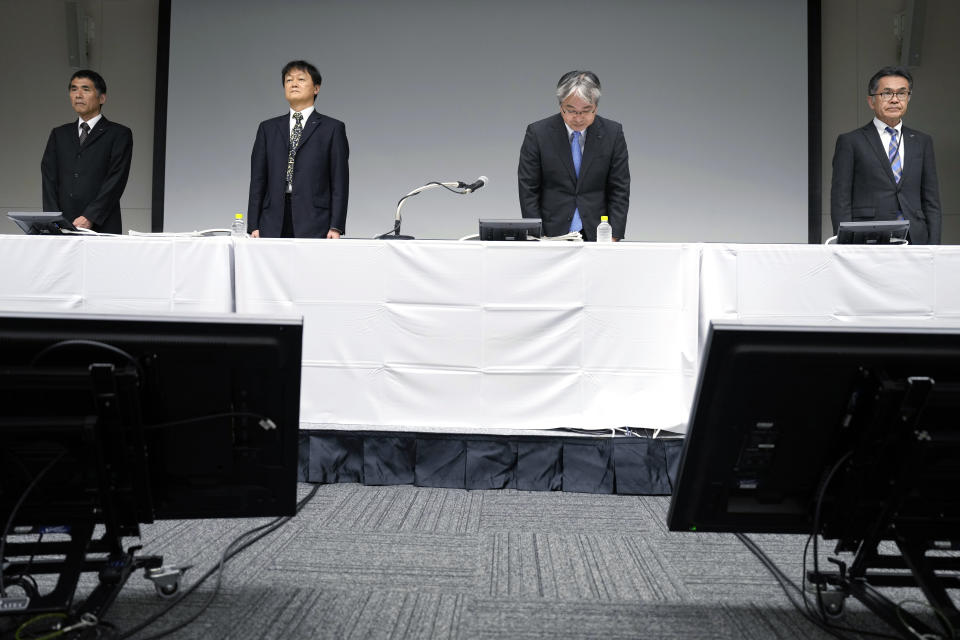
116	274
471	336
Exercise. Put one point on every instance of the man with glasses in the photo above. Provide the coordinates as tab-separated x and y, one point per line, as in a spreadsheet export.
884	170
573	165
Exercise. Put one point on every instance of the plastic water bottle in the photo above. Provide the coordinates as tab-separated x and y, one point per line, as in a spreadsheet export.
239	227
604	230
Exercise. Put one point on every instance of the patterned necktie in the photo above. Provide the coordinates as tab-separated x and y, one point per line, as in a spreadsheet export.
294	141
84	132
893	152
576	224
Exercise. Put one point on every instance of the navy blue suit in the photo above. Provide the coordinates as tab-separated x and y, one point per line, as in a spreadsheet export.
89	180
321	178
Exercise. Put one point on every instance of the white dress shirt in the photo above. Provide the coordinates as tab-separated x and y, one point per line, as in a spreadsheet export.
92	122
583	137
885	137
306	116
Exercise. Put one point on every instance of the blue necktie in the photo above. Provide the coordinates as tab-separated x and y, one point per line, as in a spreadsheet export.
893	152
576	224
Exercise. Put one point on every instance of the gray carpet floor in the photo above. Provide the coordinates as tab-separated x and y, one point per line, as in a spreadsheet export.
408	562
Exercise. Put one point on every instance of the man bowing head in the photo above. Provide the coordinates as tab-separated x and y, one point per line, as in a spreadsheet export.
573	165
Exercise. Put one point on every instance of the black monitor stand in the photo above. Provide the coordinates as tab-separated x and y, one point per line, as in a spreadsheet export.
879	478
104	451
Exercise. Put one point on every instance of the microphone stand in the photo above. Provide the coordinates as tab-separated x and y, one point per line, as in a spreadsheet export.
395	233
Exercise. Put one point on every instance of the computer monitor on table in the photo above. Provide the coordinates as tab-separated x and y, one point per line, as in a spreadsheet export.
511	229
41	222
873	232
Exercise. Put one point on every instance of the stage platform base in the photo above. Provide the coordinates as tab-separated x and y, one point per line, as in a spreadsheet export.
625	464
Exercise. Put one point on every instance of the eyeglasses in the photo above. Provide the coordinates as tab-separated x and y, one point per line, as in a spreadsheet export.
887	96
574	112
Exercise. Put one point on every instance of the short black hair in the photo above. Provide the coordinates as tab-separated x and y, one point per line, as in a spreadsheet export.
302	65
889	71
98	82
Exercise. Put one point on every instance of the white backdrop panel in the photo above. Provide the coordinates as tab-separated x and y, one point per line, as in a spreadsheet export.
444	90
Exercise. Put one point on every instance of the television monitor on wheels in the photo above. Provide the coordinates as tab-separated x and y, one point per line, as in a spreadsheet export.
123	420
848	432
41	222
873	232
512	229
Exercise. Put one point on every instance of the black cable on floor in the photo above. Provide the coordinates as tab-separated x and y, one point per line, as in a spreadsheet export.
239	544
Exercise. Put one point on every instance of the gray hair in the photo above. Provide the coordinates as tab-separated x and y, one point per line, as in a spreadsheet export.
585	84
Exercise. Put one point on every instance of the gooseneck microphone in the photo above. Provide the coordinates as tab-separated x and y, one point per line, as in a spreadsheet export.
394	234
470	188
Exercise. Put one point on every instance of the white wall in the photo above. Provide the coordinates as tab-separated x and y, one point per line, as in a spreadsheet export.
35	73
712	97
858	39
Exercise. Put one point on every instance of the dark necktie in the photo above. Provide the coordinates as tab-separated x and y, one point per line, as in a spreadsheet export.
576	224
84	132
294	141
893	152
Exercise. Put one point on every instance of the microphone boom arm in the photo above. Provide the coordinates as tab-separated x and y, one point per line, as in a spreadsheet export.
449	186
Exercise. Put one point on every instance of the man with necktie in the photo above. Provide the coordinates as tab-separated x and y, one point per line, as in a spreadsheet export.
299	178
573	165
884	170
86	162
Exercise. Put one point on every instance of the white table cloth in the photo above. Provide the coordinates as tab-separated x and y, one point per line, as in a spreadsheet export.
471	336
116	274
799	284
474	336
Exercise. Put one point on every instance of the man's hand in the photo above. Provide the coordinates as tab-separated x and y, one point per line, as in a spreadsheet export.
333	234
82	223
255	233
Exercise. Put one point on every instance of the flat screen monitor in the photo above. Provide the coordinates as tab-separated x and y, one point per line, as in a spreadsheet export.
777	408
172	417
873	232
522	229
41	222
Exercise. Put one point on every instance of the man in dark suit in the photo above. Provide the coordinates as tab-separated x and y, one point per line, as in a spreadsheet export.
573	165
884	170
86	162
299	178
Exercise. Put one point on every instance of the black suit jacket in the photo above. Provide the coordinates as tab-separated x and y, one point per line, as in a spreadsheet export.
863	186
89	180
321	177
550	189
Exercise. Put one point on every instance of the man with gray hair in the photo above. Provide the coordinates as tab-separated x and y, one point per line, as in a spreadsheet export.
573	165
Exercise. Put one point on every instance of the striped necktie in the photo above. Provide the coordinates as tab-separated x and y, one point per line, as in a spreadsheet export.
893	153
84	132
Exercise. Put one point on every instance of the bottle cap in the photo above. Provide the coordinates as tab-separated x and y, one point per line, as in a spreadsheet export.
238	216
603	218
